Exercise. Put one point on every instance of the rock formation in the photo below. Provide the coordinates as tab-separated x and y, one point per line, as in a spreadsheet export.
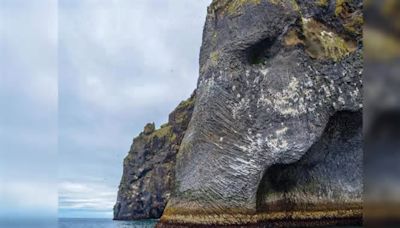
275	135
149	168
269	139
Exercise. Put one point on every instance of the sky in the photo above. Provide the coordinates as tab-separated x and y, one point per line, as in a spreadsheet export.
79	79
28	101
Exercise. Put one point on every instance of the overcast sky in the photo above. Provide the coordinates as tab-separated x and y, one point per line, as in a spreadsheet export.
80	79
122	64
28	101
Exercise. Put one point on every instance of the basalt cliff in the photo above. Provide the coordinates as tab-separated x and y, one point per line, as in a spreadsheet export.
273	134
149	168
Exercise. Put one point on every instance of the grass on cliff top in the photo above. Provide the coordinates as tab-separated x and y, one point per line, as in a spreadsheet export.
161	132
231	7
164	131
235	5
186	104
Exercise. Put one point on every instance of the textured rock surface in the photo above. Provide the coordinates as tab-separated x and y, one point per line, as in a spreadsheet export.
148	175
276	131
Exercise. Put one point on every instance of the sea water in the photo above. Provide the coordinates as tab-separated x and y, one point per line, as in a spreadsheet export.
104	223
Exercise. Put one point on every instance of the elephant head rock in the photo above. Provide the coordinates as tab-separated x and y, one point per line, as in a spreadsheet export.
275	134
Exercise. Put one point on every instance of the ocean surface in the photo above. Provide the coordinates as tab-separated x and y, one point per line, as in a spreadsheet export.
104	223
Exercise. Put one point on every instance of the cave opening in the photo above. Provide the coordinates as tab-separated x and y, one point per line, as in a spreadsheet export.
340	142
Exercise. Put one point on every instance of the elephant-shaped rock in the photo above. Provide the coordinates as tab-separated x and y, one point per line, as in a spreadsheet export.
275	134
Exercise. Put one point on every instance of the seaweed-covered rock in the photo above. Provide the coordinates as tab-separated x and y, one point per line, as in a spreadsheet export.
275	135
149	168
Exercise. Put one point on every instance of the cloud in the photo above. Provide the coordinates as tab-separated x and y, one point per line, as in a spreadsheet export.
89	196
28	56
140	53
28	97
28	197
108	94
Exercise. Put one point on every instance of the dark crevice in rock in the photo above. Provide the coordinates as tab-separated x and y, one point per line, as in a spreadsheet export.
144	173
260	51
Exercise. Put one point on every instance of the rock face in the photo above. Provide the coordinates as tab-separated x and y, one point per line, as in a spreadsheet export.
275	135
149	168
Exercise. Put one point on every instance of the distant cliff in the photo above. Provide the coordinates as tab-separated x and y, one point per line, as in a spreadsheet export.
148	174
275	134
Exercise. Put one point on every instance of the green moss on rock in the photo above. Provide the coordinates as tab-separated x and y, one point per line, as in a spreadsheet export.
354	24
322	43
186	103
149	128
230	7
322	3
292	4
162	132
235	5
339	7
319	41
214	57
351	20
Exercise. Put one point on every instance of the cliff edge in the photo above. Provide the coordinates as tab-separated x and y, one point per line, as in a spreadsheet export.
149	168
